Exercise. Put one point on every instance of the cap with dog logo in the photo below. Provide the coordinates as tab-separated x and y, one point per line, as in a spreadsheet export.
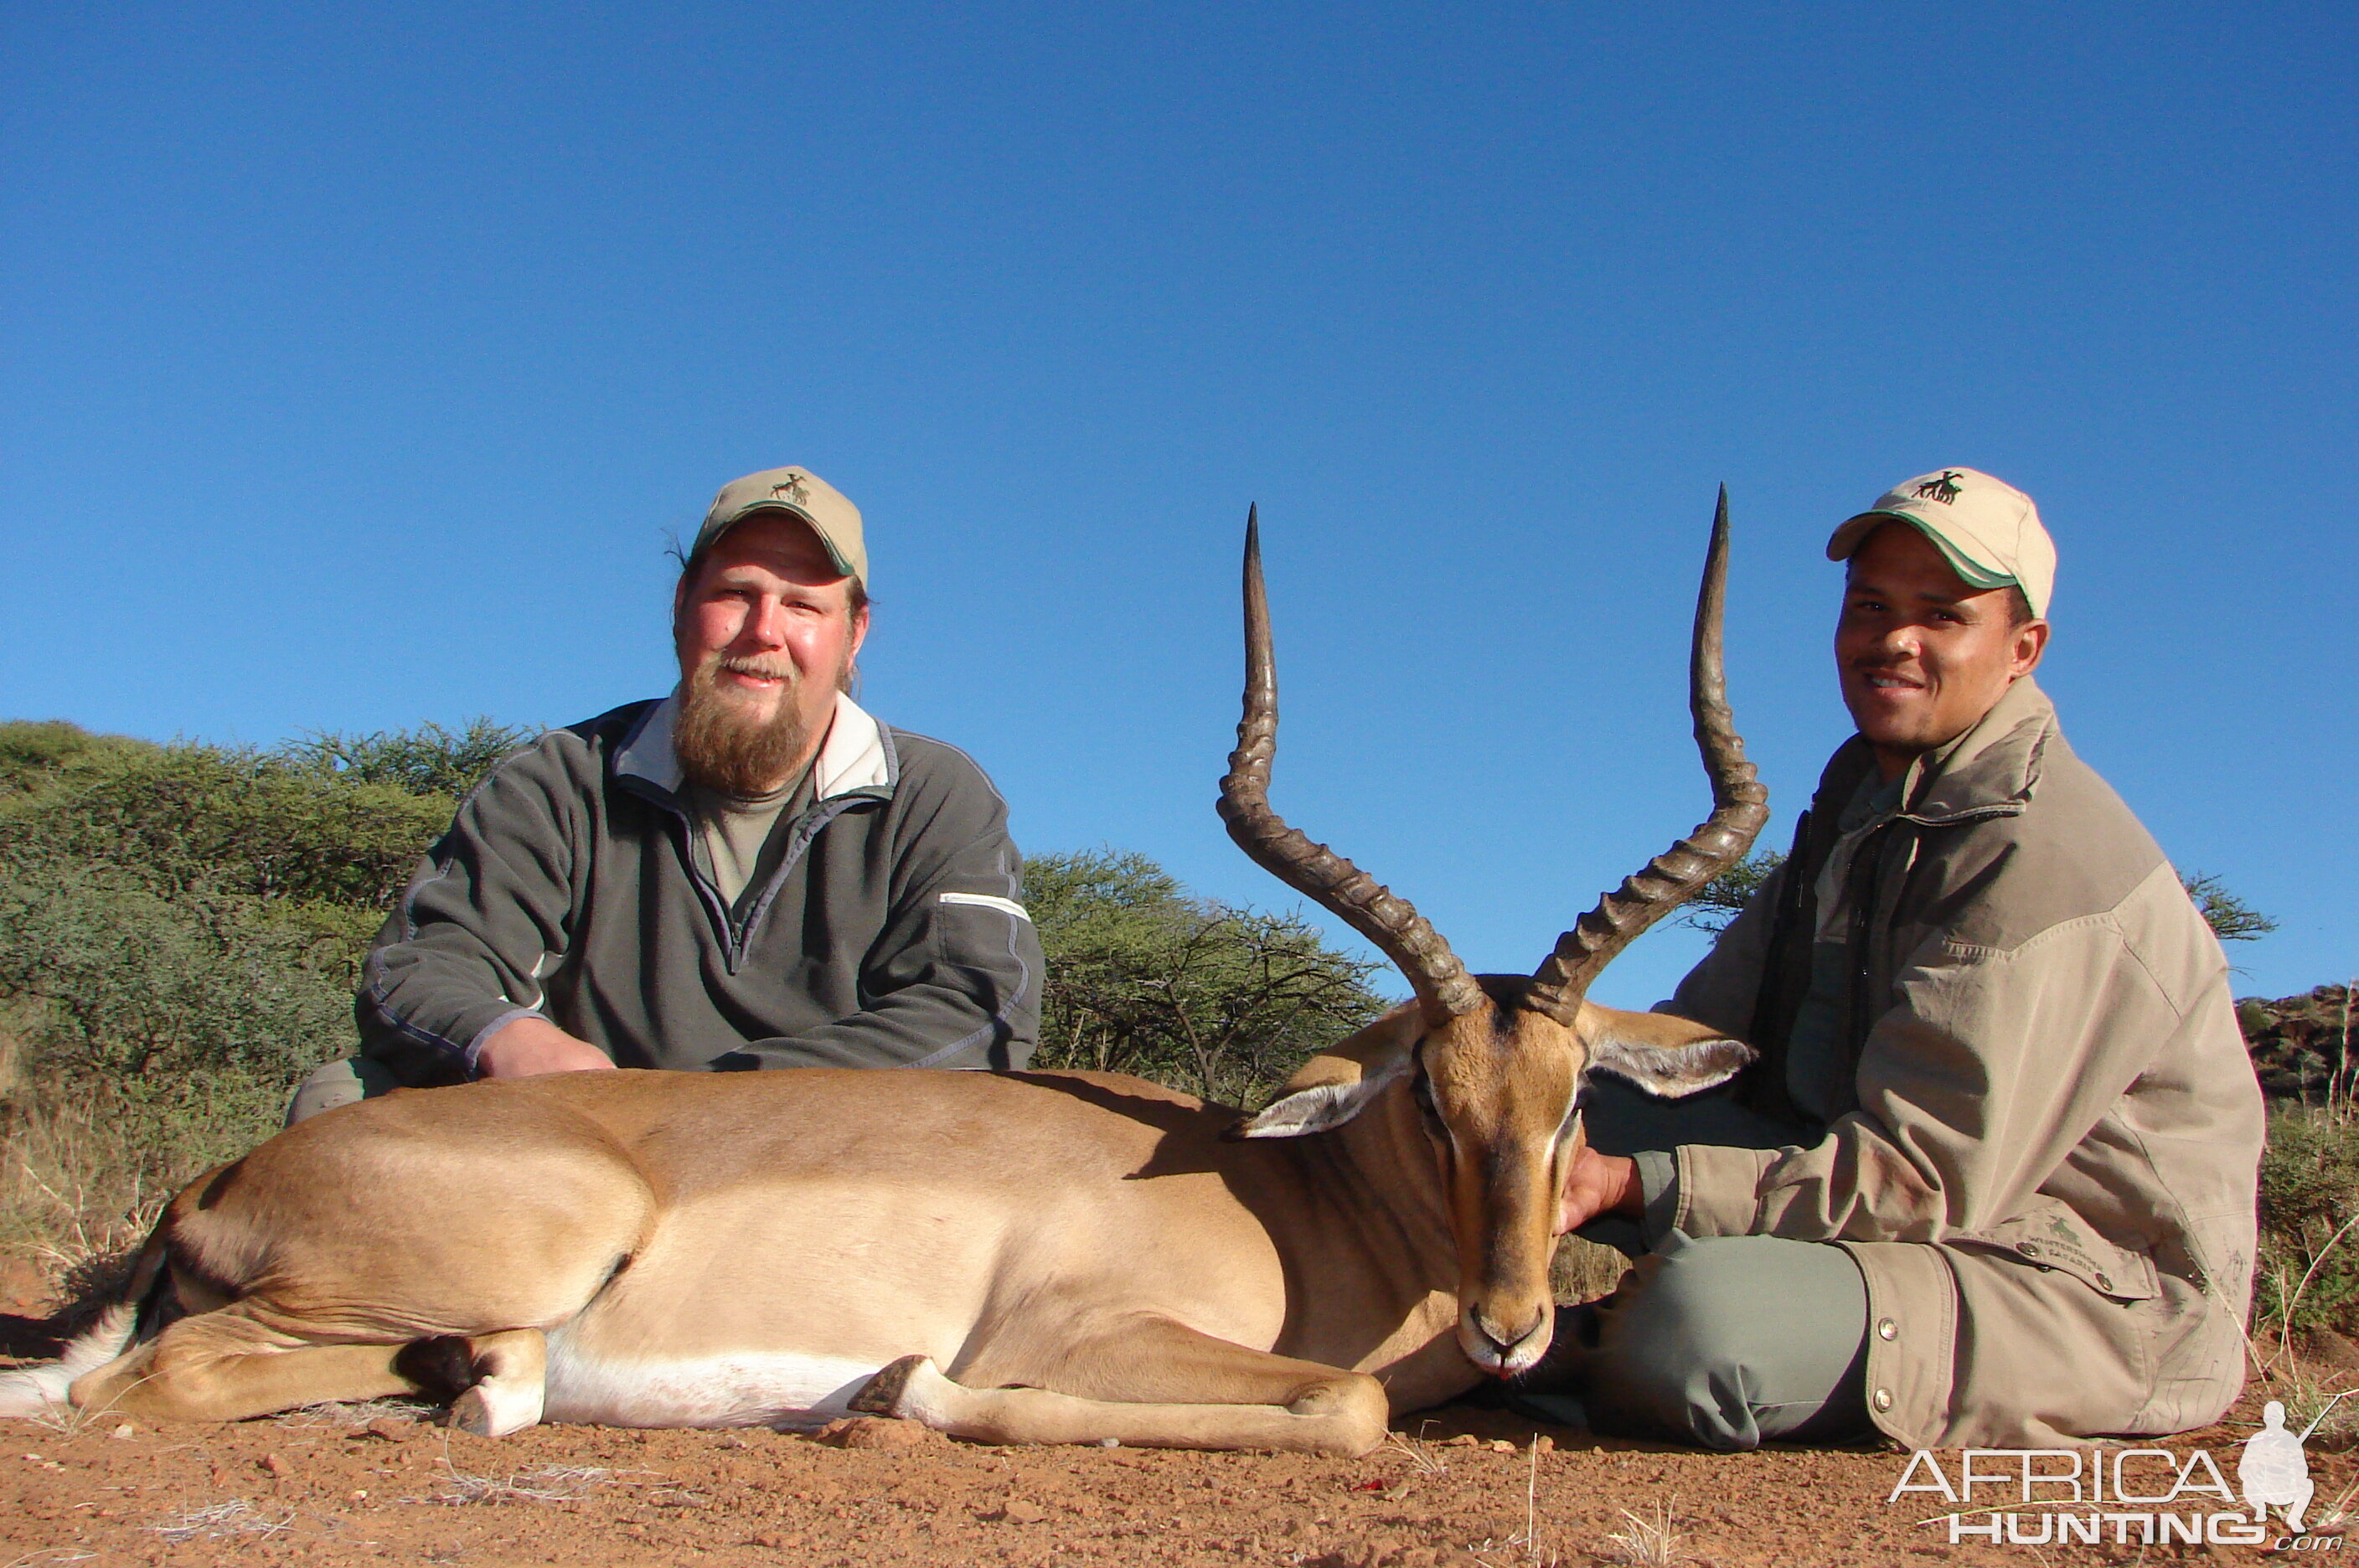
799	493
1987	529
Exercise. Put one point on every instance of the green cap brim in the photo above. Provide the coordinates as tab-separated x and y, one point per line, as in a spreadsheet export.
1973	572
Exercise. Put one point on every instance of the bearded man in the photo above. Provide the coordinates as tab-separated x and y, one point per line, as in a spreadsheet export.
1992	1182
749	872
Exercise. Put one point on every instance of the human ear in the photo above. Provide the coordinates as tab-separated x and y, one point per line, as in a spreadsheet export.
680	615
2031	644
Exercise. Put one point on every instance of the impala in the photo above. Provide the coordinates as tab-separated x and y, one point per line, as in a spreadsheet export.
1019	1257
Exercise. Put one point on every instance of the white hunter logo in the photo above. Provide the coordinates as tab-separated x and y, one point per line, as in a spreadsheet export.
2274	1472
2145	1497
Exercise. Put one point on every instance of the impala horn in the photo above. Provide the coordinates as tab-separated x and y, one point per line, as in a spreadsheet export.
1444	989
1740	804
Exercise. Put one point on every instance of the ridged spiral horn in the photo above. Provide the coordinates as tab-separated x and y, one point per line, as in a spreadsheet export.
1443	988
1740	804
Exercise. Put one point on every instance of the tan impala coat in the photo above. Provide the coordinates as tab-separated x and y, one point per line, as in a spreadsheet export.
2050	1178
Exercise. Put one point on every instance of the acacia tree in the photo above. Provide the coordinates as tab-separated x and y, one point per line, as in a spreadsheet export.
1218	1000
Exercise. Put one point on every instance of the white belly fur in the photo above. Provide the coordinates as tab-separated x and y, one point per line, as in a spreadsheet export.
753	1388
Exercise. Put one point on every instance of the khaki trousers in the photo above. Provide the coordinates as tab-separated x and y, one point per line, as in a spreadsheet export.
340	1082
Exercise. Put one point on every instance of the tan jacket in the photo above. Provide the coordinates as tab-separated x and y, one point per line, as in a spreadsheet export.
2050	1179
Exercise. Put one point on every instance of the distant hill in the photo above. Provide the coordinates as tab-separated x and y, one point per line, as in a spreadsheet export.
2302	1046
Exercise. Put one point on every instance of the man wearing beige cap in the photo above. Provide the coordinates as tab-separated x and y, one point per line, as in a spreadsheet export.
751	872
1991	1183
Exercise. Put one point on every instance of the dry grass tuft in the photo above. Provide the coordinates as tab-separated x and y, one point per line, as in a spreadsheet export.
236	1516
74	1187
2338	1517
1645	1542
1524	1548
549	1483
349	1416
1417	1452
1583	1271
70	1420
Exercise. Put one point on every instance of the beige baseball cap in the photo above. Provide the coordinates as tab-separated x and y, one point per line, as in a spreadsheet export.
1988	530
799	493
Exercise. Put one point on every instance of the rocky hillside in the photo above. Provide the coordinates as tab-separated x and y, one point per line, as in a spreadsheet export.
2302	1045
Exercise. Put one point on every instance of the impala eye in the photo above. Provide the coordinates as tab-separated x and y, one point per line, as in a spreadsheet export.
1422	1087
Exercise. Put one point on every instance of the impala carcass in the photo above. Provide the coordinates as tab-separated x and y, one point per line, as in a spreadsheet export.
1029	1256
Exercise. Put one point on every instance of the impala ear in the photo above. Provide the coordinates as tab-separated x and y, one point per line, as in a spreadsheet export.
1337	1085
1665	1055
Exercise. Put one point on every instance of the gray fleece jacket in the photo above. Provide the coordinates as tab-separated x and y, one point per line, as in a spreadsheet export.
890	934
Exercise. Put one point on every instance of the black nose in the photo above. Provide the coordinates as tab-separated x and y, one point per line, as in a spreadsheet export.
1503	1342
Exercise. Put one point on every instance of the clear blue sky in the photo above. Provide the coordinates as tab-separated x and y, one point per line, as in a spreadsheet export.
360	359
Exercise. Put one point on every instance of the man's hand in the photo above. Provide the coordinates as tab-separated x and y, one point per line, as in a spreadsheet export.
526	1046
1595	1184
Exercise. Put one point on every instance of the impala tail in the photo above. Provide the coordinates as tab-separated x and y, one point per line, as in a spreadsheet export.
45	1391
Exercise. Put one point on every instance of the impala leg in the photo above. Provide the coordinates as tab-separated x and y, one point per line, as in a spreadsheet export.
511	1372
223	1365
1149	1383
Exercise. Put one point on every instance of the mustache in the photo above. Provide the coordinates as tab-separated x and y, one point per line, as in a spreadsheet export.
760	668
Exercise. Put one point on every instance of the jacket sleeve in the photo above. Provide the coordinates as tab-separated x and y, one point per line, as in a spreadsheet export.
1973	1088
459	955
954	978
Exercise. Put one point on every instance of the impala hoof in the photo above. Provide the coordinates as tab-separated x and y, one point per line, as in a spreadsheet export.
488	1410
881	1396
471	1413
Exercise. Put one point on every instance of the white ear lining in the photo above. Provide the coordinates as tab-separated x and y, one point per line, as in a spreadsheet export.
1671	1072
1319	1108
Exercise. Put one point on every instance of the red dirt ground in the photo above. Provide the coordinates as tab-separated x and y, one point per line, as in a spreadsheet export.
1458	1486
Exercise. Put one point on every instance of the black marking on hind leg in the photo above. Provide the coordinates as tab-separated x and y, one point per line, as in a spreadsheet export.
159	1306
881	1396
439	1366
162	1281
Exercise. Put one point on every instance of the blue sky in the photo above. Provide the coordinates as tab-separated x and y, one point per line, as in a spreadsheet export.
360	359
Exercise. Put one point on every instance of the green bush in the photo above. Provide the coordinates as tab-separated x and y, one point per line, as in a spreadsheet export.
179	817
1719	901
2309	1193
32	752
142	990
427	760
180	927
1201	996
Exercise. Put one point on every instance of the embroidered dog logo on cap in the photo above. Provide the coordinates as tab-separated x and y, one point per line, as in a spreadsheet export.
1944	489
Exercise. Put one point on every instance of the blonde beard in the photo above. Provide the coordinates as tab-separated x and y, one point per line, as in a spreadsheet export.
724	747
